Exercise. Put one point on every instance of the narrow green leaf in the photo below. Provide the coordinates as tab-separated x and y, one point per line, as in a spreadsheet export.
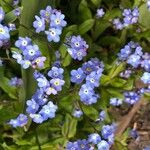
86	26
84	11
67	60
69	127
90	111
10	17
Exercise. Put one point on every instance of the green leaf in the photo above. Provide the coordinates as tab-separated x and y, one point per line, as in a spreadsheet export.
144	18
129	85
118	82
63	51
90	111
10	17
116	69
7	112
105	80
84	11
67	60
126	3
96	2
69	127
4	84
99	28
116	12
67	101
109	40
86	26
115	93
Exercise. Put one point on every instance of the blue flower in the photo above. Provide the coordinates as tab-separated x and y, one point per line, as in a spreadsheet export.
39	24
2	14
56	73
118	24
22	43
88	67
146	64
25	64
57	84
37	118
83	145
102	115
77	113
15	82
46	13
131	97
146	78
38	62
93	79
77	43
87	95
134	60
20	121
108	130
40	97
42	82
15	2
77	76
48	111
57	20
77	47
4	33
53	34
130	16
14	123
32	106
12	26
126	74
100	13
115	101
125	52
72	146
103	145
86	91
31	52
94	138
77	55
17	11
50	90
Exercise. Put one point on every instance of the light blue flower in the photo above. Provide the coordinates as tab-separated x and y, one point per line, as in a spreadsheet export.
4	33
53	34
57	20
39	24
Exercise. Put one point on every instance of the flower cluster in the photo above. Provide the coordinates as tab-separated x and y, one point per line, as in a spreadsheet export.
129	17
76	47
51	21
131	97
15	82
91	71
126	74
100	13
29	55
95	141
40	98
116	101
132	53
20	121
4	30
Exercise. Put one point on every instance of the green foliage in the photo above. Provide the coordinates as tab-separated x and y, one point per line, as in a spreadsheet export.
104	43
